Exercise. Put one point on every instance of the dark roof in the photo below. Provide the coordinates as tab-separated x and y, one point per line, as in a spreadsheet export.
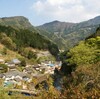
1	75
1	68
15	73
17	79
36	66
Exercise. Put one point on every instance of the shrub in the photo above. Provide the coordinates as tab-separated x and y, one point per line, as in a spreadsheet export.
82	54
31	55
4	68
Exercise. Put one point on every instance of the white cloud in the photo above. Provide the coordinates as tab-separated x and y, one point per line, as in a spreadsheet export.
67	10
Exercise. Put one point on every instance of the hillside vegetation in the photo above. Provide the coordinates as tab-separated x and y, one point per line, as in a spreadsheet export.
17	39
7	54
80	74
81	69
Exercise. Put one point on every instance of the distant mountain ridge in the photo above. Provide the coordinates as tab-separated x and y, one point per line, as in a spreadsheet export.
66	34
16	21
57	26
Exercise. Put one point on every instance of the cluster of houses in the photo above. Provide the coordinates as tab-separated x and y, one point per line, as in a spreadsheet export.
14	76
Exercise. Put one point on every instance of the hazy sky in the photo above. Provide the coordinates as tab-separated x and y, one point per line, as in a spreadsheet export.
42	11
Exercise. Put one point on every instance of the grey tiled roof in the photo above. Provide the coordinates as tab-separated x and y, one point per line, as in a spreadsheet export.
15	73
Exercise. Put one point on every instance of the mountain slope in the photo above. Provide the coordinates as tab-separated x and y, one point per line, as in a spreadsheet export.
91	22
57	26
66	35
22	33
82	63
16	39
16	22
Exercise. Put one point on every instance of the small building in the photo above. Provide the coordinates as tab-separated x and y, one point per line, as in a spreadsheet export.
1	68
29	70
2	61
51	65
1	75
36	67
16	76
11	66
15	61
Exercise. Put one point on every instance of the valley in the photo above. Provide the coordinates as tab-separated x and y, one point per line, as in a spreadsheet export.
57	60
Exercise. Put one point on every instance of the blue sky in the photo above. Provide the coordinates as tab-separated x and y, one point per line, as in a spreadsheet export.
41	11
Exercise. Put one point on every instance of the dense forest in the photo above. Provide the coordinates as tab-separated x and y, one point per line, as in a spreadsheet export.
16	39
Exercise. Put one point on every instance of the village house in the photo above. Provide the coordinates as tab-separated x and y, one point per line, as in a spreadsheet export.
37	67
16	77
2	61
15	61
1	69
1	75
13	64
29	70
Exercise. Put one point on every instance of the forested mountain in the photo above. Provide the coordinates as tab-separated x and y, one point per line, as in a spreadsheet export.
17	39
66	35
23	34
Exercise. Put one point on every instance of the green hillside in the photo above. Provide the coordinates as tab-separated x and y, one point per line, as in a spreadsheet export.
81	69
16	39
